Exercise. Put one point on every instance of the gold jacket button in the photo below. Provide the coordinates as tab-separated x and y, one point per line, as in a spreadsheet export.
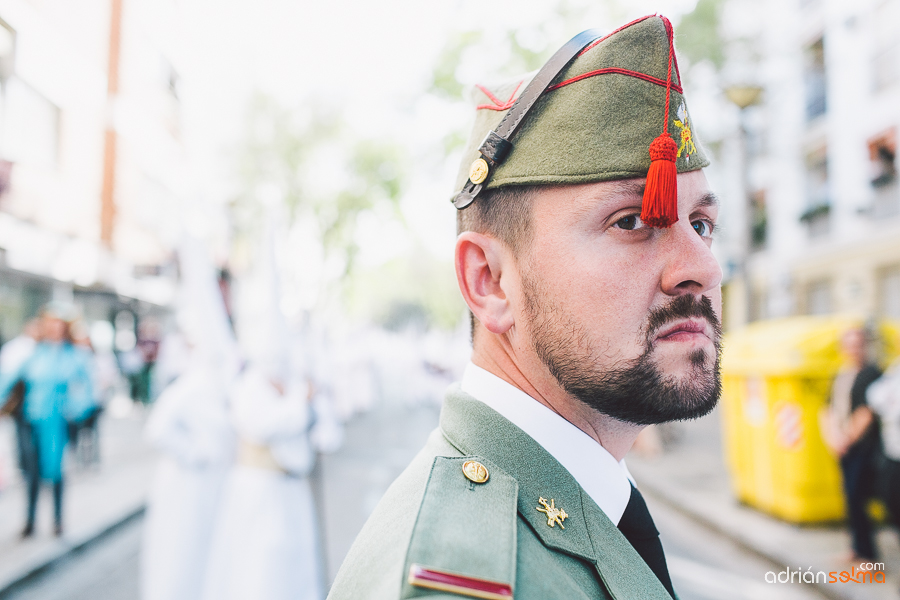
475	471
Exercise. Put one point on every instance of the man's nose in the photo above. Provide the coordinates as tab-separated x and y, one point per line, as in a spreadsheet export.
691	267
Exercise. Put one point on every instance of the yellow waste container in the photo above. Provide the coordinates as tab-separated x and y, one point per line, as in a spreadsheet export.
776	379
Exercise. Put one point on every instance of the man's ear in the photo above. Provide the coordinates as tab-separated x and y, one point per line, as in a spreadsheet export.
480	261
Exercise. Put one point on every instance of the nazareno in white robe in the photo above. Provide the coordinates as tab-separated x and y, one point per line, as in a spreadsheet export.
189	425
265	545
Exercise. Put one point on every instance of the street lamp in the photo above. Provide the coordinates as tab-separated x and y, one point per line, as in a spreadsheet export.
744	96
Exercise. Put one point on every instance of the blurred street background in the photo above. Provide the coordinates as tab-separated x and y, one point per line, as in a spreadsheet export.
186	185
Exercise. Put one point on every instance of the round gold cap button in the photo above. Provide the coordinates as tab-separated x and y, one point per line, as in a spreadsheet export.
478	172
475	471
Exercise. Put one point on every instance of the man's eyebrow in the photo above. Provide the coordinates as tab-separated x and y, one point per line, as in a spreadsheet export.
635	188
708	199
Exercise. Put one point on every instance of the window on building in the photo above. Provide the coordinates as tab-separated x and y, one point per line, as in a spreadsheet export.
818	297
885	45
818	199
882	162
889	293
814	79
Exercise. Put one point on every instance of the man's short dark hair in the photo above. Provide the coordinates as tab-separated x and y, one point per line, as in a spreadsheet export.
503	213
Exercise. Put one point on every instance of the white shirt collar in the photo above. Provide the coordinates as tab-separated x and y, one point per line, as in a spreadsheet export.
606	480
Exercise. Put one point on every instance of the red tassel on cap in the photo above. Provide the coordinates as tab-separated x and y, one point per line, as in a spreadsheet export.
660	205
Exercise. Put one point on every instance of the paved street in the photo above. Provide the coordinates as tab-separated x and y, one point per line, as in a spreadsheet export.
691	476
707	566
704	565
105	570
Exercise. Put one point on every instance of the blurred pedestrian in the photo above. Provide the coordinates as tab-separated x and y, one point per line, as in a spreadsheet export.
13	355
883	398
266	543
83	434
189	426
17	350
171	360
57	383
147	346
265	546
131	363
849	429
108	378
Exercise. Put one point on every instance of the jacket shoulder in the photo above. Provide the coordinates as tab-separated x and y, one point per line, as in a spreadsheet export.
373	567
464	537
434	520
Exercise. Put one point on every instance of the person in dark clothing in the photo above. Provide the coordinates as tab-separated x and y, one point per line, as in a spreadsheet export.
884	399
853	436
12	355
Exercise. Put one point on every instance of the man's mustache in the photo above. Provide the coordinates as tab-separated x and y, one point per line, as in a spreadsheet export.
685	306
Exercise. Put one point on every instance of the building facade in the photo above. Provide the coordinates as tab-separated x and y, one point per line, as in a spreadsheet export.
814	171
93	170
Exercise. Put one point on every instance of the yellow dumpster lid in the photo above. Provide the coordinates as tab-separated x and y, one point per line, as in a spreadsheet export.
804	345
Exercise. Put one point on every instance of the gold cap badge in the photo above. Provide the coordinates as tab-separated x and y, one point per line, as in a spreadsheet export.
475	471
478	172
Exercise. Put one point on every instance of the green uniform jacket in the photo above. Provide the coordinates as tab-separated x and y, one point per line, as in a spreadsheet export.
433	516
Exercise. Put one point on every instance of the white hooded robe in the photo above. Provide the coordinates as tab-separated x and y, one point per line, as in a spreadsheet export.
266	545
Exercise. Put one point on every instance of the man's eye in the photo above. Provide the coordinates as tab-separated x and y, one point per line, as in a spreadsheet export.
629	223
703	228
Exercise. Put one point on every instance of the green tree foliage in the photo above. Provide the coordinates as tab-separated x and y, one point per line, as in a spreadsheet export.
697	34
319	170
512	52
444	82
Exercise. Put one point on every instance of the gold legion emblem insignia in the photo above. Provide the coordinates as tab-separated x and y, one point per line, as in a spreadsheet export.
554	515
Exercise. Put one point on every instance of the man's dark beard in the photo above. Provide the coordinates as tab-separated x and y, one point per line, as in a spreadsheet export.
635	391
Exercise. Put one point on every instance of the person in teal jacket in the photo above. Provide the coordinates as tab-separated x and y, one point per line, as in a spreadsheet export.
57	389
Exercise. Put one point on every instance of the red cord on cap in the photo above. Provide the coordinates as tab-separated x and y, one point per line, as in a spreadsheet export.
660	205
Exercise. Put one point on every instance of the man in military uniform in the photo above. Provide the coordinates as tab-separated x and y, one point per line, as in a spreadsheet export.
584	255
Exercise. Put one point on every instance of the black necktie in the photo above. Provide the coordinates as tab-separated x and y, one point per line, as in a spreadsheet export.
637	526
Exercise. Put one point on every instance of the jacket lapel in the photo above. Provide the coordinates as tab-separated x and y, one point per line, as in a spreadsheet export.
587	533
621	568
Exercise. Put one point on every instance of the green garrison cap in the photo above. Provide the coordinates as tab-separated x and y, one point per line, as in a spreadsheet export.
595	121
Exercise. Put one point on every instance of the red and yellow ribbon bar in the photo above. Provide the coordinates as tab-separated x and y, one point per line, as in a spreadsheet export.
473	587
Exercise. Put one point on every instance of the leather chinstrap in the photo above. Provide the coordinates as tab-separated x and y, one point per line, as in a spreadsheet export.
497	144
